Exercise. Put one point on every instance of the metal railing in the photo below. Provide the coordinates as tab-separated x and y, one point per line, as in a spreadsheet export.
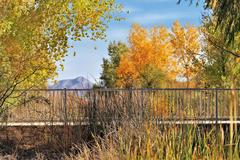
73	106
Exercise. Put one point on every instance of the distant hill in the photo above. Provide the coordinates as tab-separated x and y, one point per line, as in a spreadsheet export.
77	83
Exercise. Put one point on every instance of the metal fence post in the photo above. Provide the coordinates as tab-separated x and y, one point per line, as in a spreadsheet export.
142	104
24	106
94	108
130	107
66	140
216	99
65	105
93	114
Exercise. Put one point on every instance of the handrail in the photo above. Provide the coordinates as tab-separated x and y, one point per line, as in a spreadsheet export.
126	89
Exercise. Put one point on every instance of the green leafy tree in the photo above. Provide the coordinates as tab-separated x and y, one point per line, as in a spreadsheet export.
152	77
226	14
222	68
34	38
108	75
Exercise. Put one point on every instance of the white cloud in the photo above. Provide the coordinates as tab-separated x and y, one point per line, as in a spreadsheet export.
155	17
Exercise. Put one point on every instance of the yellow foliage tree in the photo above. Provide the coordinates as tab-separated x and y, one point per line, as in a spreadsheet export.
34	38
158	54
185	41
127	73
149	59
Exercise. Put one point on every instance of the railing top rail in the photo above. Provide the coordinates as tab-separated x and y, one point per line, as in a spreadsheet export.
132	89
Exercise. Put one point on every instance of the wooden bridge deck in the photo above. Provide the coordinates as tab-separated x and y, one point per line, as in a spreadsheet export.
158	122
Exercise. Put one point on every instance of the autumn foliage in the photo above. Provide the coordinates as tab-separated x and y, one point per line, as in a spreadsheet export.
35	36
159	55
186	44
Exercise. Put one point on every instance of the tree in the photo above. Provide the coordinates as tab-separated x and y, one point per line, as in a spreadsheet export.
226	14
34	37
149	59
219	62
186	44
223	67
108	75
158	56
126	73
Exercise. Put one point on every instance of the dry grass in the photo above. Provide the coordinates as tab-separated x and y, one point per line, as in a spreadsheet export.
147	142
130	139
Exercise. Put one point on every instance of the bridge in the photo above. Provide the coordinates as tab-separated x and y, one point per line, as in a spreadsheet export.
65	116
82	106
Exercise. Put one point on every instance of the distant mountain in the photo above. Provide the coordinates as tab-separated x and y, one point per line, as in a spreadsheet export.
77	83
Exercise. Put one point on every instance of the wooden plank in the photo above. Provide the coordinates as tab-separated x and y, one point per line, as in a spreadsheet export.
158	122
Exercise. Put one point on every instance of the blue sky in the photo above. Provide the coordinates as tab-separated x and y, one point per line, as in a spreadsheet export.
147	13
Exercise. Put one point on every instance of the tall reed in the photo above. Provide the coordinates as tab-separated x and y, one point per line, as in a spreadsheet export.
145	142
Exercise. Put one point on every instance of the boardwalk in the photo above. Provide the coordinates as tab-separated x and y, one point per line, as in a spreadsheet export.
80	107
158	122
65	117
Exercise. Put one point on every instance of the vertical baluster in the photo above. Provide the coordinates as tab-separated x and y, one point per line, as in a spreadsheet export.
216	99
